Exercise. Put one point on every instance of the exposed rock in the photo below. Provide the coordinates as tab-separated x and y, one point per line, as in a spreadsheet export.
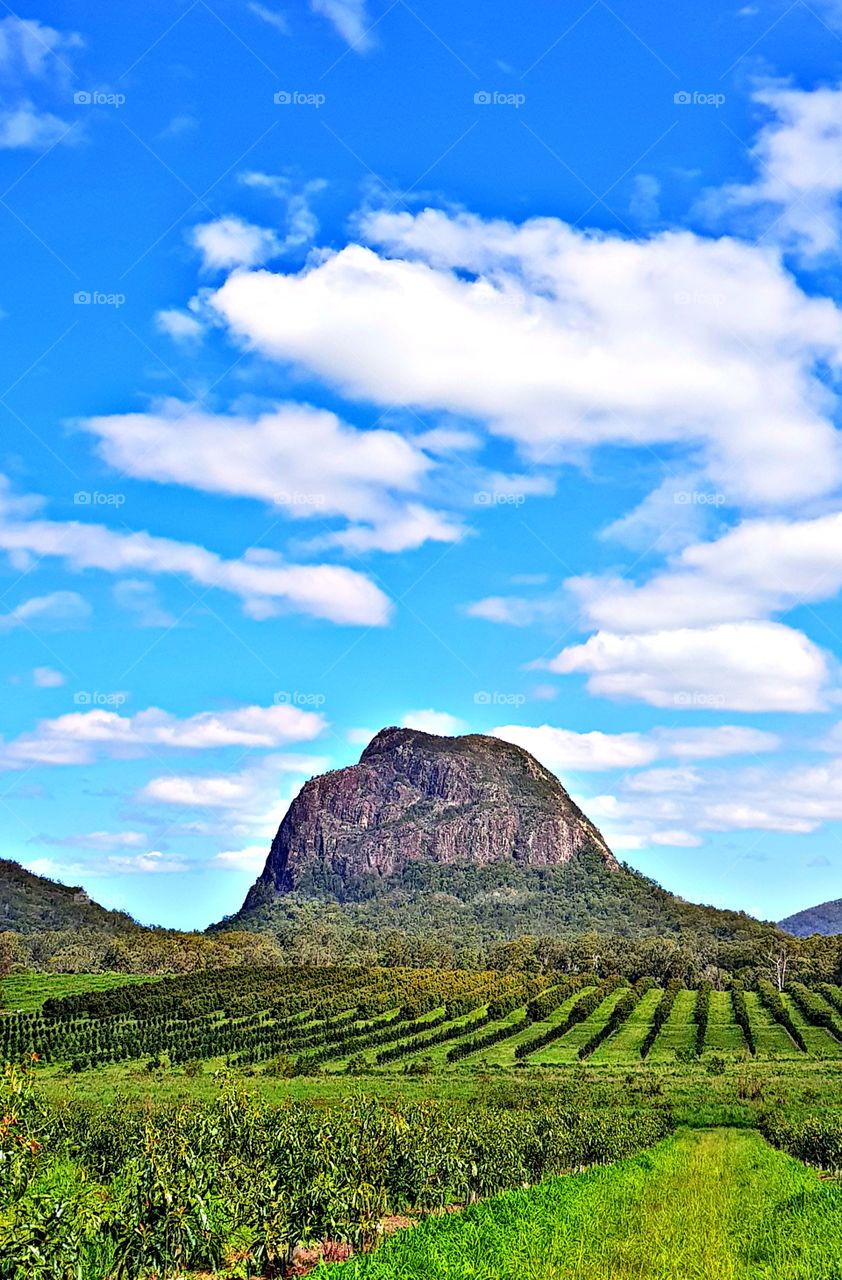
418	797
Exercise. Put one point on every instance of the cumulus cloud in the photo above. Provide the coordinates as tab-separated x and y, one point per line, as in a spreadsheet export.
80	736
514	326
795	197
231	242
430	721
265	584
303	461
57	611
250	859
749	666
32	56
179	325
563	749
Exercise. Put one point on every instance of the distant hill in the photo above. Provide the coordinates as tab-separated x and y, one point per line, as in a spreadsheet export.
34	904
467	838
825	918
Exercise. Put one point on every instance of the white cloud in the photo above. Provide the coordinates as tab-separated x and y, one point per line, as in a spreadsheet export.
562	749
47	678
676	839
756	568
795	197
302	225
231	242
32	54
262	581
350	18
304	461
56	611
430	721
749	666
78	737
250	859
23	127
270	16
179	325
556	337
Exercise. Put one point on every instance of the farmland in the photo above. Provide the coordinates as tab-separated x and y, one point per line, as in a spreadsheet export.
312	1021
295	1088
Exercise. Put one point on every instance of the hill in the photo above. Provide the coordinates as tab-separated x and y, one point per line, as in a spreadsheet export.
826	918
34	904
467	840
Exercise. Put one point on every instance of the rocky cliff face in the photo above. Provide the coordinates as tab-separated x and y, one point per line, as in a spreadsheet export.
418	797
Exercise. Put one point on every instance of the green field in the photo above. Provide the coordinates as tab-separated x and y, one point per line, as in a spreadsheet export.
712	1205
334	1021
454	1079
28	991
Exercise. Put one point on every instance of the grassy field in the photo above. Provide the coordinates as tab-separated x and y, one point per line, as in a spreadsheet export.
28	991
709	1204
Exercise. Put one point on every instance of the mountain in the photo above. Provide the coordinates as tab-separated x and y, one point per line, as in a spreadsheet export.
825	918
466	838
34	904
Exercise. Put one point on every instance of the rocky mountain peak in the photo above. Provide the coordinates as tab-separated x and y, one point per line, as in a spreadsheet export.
421	797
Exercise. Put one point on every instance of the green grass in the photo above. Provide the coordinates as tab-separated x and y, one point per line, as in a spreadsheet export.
723	1033
566	1050
625	1044
678	1034
706	1205
503	1054
769	1036
28	991
818	1040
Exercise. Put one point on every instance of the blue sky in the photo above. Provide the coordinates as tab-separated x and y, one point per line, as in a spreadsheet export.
463	366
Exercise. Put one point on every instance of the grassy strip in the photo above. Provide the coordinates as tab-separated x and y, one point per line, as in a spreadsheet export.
587	1003
771	998
716	1205
624	1007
